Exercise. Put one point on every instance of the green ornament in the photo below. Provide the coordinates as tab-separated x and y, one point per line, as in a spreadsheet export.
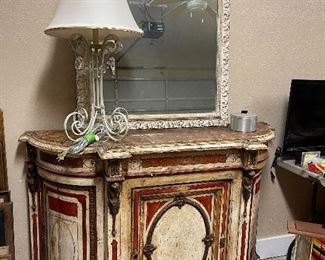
90	137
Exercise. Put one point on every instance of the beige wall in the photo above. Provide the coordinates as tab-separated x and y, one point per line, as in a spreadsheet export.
36	80
272	41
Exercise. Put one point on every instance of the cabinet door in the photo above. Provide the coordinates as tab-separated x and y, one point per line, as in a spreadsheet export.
67	222
181	221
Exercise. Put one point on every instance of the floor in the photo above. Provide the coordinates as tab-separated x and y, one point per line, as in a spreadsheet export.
277	258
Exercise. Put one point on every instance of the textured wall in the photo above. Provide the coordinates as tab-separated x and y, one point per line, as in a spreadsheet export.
272	41
36	90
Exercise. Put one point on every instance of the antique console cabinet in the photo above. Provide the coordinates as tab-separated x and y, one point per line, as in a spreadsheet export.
181	194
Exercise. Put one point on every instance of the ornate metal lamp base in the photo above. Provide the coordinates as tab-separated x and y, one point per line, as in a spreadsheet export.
95	59
113	127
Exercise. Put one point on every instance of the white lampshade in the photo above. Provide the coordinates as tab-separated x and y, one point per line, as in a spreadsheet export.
83	16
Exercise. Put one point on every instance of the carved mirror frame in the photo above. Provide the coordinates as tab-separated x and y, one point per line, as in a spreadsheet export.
219	117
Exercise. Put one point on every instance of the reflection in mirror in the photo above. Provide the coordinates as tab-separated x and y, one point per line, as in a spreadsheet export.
172	69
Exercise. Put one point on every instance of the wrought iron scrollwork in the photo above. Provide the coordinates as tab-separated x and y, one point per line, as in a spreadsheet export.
179	202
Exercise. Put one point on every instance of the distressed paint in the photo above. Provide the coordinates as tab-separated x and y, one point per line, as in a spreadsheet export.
67	234
185	160
254	216
207	167
151	210
63	207
243	253
68	227
159	141
233	239
160	196
83	167
206	202
62	239
34	235
170	235
114	249
34	226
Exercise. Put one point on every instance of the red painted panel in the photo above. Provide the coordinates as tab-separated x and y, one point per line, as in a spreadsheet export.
225	206
74	162
222	254
137	198
82	199
114	249
187	160
63	207
257	186
193	189
206	201
243	240
41	224
207	185
152	208
315	256
135	221
35	240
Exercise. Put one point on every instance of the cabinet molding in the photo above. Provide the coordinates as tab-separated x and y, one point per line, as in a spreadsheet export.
171	194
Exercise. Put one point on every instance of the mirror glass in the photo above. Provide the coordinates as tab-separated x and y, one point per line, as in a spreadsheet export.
172	68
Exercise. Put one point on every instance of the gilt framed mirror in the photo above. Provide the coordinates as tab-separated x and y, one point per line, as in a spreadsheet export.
176	75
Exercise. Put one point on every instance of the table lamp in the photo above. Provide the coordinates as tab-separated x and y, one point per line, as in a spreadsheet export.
96	29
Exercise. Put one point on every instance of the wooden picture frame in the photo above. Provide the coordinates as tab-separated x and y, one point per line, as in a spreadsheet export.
4	253
6	257
306	157
4	196
3	162
6	207
7	228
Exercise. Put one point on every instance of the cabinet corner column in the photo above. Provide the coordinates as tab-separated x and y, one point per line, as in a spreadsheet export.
114	178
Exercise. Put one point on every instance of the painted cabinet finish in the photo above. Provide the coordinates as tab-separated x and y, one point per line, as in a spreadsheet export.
159	194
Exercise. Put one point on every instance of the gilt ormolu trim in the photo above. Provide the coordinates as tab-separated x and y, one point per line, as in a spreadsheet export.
31	173
3	162
179	202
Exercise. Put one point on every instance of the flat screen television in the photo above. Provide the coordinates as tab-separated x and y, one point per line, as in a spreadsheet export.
305	126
